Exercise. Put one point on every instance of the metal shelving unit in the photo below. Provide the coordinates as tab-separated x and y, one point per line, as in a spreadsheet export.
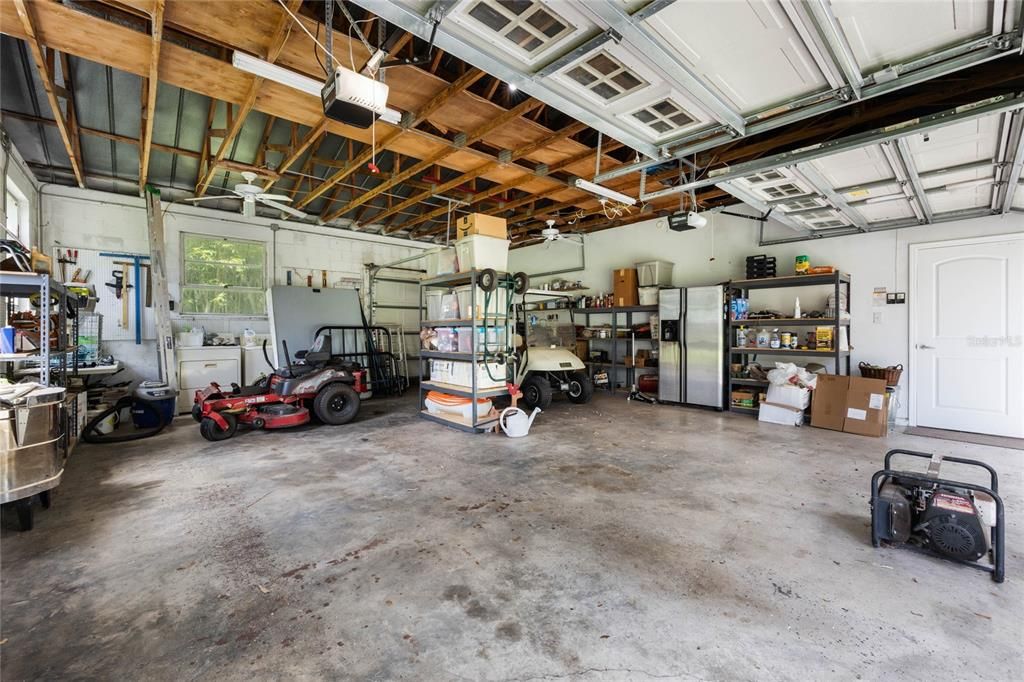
836	280
22	285
616	363
478	423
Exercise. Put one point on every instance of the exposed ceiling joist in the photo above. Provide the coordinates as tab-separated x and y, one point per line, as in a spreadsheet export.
902	152
439	100
274	47
25	11
150	86
524	107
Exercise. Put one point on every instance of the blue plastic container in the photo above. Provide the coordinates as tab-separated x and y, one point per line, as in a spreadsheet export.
160	396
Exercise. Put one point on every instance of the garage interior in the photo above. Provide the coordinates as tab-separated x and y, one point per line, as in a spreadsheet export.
511	339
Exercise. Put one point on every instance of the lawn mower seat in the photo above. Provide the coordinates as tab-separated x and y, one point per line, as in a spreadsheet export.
320	353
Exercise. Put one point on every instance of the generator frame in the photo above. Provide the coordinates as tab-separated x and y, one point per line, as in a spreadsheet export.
997	534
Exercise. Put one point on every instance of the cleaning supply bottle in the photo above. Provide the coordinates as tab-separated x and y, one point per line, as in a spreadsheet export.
796	309
776	341
741	337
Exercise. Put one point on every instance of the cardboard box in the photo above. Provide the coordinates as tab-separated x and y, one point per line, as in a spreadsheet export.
742	398
624	287
828	404
773	413
582	350
867	407
479	223
628	362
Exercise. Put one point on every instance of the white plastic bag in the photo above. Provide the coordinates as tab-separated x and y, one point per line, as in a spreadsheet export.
786	373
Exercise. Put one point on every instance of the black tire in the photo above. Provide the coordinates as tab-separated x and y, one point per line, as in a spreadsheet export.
581	388
536	392
197	412
520	283
487	280
212	432
336	404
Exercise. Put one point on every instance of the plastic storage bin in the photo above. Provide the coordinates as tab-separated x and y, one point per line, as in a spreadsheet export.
460	373
492	339
478	252
440	262
649	295
654	273
471	306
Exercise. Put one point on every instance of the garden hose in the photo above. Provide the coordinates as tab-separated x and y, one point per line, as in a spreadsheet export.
91	435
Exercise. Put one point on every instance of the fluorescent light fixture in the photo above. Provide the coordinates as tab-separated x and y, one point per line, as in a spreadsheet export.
601	191
264	69
291	79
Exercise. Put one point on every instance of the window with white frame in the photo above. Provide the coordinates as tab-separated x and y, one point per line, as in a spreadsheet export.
606	77
783	191
527	24
222	276
663	117
17	225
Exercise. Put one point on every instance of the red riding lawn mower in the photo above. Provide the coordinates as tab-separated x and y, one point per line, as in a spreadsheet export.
315	382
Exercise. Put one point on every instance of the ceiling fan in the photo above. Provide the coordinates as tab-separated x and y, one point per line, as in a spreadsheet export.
552	233
251	193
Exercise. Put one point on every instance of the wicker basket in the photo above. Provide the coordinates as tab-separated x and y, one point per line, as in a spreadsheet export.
890	374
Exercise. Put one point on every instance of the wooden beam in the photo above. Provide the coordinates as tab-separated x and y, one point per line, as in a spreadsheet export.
73	127
149	110
204	152
46	76
274	47
611	145
299	148
306	167
525	150
261	150
435	103
524	107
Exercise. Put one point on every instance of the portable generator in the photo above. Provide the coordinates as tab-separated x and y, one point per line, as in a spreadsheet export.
959	521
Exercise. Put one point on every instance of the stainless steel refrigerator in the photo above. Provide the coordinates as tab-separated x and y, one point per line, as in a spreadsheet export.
691	351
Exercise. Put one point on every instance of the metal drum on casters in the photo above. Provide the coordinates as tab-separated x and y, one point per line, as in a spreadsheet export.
31	452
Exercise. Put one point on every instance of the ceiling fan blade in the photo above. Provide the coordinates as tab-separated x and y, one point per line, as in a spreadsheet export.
281	207
273	197
209	198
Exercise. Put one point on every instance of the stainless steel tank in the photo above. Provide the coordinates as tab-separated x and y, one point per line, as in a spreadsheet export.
32	452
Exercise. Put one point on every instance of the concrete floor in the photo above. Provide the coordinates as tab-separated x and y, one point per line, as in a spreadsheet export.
617	542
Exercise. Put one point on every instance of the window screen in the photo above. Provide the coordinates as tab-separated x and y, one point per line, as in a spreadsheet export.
222	276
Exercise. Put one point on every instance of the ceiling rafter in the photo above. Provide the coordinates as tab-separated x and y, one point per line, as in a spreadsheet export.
74	129
580	157
300	148
46	76
525	150
274	47
436	102
150	86
524	107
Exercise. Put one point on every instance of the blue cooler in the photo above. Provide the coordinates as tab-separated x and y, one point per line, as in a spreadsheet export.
160	396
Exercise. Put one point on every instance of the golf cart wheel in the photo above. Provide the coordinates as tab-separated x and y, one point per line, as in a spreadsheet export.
336	404
536	392
581	388
520	283
197	412
487	279
212	432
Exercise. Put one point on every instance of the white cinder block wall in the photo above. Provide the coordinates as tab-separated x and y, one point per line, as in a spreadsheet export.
85	219
878	259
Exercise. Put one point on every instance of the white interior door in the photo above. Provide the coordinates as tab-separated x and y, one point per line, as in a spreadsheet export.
968	335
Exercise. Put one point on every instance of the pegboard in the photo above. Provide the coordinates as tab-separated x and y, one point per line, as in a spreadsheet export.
109	305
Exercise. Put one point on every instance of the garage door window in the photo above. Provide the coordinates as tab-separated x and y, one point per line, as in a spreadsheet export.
222	276
604	76
663	117
528	25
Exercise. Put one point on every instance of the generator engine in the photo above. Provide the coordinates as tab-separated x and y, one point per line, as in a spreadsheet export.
959	521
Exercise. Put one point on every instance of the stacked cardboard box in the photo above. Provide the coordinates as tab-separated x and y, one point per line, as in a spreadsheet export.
624	287
850	404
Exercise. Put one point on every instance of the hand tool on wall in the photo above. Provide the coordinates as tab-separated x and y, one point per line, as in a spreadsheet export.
323	279
135	261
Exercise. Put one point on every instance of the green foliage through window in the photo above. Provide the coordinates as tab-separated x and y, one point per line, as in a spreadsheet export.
222	276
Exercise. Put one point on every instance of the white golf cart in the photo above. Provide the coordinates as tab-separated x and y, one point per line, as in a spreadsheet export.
547	363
